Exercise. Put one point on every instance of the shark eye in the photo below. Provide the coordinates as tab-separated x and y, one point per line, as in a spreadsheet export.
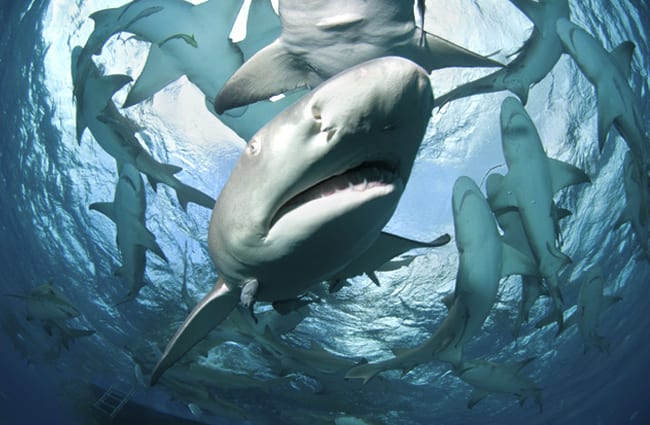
253	147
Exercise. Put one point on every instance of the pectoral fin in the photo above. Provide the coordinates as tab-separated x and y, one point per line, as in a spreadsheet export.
270	72
563	175
159	70
210	311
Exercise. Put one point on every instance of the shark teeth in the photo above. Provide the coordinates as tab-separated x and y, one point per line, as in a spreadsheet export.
359	179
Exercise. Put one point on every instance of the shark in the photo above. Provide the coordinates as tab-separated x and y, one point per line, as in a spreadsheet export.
609	72
634	211
529	186
591	304
64	334
503	378
116	134
133	238
321	38
535	59
386	248
318	183
193	41
45	302
483	260
514	234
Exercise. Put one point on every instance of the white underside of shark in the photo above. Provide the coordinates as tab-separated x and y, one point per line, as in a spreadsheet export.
535	60
322	38
133	238
483	260
312	191
529	186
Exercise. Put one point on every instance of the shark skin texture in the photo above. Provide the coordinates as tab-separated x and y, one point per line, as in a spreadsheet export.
535	59
529	186
133	238
193	41
345	152
483	260
321	38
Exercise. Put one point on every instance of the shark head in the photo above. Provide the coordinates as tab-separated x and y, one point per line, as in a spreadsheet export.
516	130
314	187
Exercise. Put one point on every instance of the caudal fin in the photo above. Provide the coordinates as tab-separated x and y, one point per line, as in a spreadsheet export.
210	311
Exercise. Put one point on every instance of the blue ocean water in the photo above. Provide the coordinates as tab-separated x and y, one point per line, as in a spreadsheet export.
48	233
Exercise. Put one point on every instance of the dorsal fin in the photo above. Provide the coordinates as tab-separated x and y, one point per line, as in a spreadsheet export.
622	56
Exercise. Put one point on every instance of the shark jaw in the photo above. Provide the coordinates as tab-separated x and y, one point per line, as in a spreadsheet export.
353	187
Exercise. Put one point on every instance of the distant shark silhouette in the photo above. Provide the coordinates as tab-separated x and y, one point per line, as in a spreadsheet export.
529	186
133	238
45	302
483	260
536	58
591	304
489	377
334	166
116	134
191	40
322	38
634	211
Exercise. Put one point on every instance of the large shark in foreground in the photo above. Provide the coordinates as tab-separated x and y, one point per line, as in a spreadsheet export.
529	185
536	58
317	185
133	238
324	37
484	259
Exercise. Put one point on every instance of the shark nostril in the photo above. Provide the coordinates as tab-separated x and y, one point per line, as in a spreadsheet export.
315	112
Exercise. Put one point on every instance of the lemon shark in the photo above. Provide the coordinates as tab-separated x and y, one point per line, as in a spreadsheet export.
64	334
609	72
634	211
133	238
321	38
501	378
116	134
535	59
483	260
45	302
193	41
591	304
529	186
514	235
317	185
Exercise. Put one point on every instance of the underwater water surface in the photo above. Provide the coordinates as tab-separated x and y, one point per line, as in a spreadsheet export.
48	181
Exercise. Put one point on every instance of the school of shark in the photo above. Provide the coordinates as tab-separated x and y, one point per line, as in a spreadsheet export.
334	98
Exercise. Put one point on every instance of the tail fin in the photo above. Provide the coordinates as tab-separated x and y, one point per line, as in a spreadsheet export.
209	312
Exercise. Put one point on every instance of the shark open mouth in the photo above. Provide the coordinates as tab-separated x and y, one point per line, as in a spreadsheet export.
364	177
